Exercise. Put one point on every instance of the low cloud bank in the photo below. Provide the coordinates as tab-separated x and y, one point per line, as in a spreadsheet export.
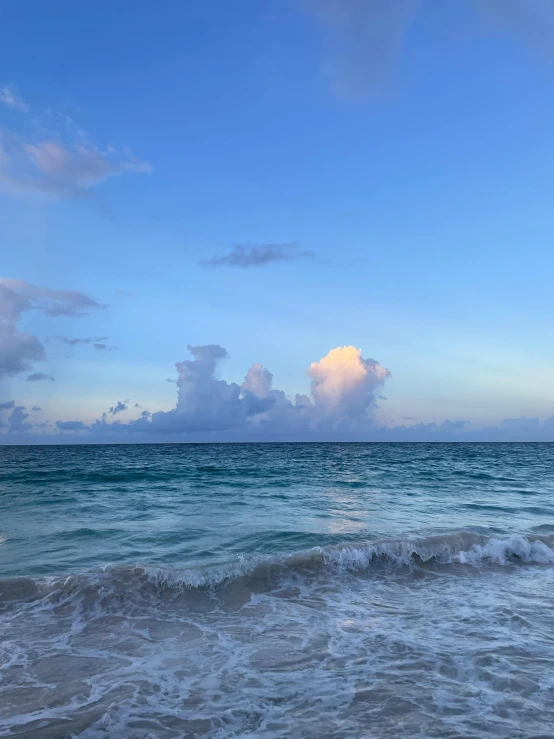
344	391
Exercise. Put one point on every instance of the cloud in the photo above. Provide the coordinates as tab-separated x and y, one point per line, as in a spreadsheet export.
17	420
38	377
258	381
59	158
104	348
343	382
75	342
453	425
532	21
36	408
344	390
50	302
18	350
10	96
71	426
125	293
343	396
258	255
363	40
119	408
519	425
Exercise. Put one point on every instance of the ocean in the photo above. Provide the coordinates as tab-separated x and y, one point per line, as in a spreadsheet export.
277	590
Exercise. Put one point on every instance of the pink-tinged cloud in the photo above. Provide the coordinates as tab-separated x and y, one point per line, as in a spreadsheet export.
343	390
258	381
343	382
58	158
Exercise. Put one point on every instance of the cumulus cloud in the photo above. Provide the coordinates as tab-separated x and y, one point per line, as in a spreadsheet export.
39	377
17	420
344	389
343	395
59	158
18	350
258	381
204	402
343	382
258	255
10	96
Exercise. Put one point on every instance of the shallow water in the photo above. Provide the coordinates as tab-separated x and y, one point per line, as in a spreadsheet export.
291	590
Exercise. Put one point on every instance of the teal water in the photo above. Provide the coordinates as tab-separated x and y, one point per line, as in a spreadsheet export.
325	590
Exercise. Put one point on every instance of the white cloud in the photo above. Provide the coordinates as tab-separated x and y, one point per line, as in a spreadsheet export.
343	389
343	382
258	381
10	96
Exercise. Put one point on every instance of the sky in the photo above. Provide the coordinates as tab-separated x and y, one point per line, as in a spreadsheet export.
276	220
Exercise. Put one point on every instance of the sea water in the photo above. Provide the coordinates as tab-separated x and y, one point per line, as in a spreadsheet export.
277	590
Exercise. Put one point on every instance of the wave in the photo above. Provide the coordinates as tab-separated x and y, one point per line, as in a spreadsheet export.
460	548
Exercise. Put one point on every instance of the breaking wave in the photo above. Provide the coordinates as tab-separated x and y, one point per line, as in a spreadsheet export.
380	557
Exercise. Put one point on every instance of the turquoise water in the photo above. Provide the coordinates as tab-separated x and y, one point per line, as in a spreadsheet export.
325	590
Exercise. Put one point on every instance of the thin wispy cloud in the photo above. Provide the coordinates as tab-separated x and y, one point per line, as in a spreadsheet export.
245	256
39	377
58	158
9	95
87	340
118	408
364	38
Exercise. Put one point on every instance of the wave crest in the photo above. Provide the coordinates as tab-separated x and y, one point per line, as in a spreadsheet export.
460	548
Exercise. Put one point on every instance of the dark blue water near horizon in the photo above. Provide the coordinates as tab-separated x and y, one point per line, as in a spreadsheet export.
282	590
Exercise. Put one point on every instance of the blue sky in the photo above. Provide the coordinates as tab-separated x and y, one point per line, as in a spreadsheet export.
406	149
